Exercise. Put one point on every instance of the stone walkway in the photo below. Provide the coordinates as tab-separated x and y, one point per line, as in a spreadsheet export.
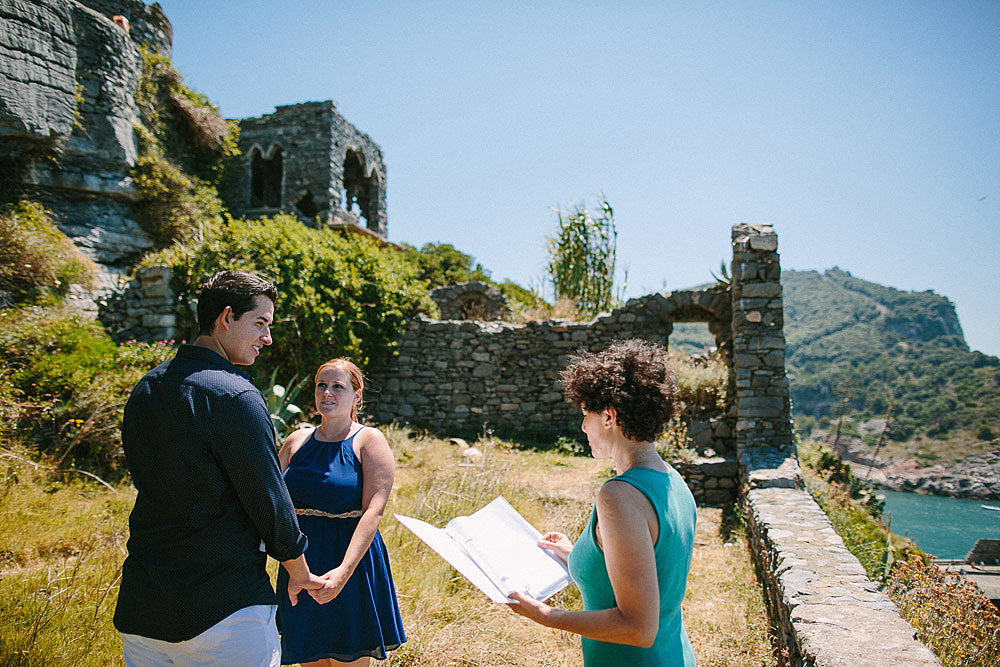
827	611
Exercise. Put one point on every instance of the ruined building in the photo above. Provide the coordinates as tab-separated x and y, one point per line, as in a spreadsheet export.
71	69
307	160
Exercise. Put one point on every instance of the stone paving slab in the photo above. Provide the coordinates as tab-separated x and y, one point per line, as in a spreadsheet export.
828	612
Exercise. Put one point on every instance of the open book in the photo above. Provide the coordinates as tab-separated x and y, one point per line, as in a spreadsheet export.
495	549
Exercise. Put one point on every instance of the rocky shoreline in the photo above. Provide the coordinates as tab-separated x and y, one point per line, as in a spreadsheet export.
976	476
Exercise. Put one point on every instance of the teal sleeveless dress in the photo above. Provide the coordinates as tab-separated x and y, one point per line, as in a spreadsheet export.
677	513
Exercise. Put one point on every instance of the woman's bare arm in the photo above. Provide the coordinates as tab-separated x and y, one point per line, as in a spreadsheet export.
624	515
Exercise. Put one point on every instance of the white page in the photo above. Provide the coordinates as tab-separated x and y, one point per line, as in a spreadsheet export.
497	550
505	547
442	543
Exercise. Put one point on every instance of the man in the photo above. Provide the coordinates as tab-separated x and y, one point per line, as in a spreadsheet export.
199	444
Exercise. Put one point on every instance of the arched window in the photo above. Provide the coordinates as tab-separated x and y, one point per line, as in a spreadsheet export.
265	177
361	190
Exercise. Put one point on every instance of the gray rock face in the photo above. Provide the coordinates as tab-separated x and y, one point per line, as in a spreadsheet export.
37	73
68	76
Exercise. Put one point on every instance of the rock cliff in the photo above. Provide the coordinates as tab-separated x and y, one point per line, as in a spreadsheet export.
68	76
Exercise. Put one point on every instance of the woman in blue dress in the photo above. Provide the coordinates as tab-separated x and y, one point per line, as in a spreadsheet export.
339	475
631	562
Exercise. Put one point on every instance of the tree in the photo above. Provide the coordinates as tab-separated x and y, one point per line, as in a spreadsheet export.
442	264
582	256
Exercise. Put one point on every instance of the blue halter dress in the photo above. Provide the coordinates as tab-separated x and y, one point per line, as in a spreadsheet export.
364	619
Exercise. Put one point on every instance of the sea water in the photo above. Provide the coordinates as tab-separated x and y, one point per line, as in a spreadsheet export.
942	526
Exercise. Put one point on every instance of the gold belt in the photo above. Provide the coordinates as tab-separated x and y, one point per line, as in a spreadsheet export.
353	514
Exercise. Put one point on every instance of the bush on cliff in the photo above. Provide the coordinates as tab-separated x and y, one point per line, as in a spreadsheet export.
188	127
854	510
172	206
184	144
337	294
35	255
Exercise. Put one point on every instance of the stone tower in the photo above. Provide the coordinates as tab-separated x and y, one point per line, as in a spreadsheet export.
307	160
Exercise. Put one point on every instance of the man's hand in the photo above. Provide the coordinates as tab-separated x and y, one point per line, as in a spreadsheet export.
309	584
333	583
300	578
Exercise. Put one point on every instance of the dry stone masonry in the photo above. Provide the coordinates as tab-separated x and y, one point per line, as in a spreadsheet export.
469	375
145	310
825	609
471	300
308	161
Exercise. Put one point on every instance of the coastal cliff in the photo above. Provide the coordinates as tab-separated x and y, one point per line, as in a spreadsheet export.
67	109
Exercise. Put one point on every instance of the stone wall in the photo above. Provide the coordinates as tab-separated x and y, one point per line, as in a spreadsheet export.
323	159
826	611
470	375
472	300
144	310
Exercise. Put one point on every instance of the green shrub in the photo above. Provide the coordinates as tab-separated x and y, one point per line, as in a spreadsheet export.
702	382
337	294
68	383
184	144
188	127
172	206
34	254
439	264
854	510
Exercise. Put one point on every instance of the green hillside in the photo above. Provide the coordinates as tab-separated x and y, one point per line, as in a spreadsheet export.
882	349
886	349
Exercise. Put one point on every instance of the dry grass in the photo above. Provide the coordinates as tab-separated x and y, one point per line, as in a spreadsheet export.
724	609
61	548
62	544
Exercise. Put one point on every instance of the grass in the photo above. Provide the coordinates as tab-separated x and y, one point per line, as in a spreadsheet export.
61	547
62	544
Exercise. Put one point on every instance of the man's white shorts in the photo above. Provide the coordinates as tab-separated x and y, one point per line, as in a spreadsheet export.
247	637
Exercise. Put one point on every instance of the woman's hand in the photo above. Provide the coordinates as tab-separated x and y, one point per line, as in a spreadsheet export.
333	583
529	607
556	544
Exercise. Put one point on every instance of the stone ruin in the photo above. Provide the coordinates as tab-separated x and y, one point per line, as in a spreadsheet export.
67	112
471	300
307	160
66	93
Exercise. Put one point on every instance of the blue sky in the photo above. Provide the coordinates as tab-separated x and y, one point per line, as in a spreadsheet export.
867	133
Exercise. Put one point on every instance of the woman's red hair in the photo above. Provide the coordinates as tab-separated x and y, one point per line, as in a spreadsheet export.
357	378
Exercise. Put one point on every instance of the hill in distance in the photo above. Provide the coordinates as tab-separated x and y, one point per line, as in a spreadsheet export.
891	361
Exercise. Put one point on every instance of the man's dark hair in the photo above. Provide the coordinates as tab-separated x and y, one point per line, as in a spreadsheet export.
235	289
633	377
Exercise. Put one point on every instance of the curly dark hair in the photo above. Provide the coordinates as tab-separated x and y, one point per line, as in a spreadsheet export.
633	377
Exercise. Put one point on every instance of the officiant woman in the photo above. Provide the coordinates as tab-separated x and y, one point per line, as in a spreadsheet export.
631	561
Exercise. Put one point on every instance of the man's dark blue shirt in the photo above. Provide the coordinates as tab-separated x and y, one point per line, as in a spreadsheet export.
201	450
